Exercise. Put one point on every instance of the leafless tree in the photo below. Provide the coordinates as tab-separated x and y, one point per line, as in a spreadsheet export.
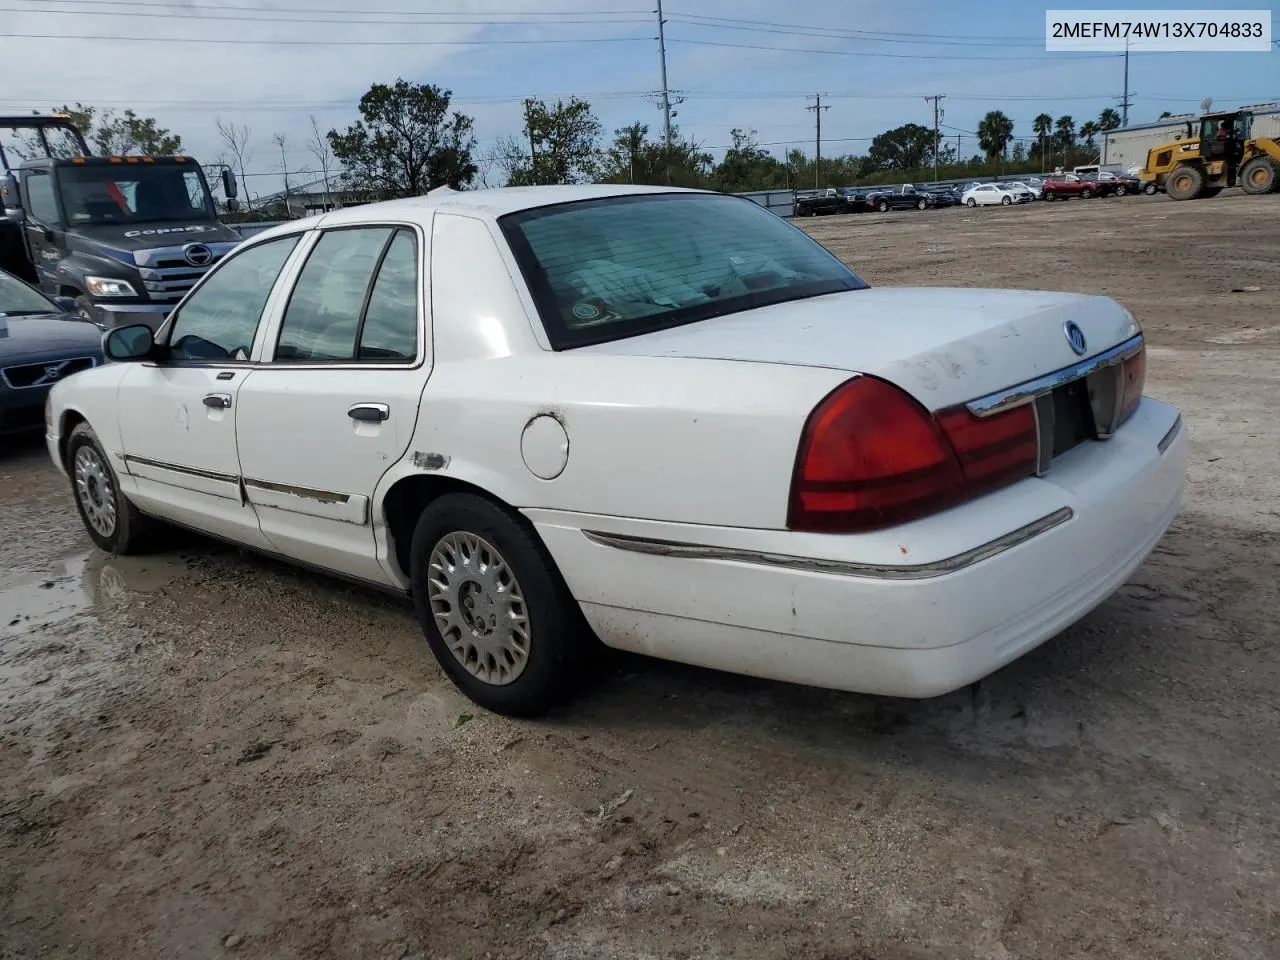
236	139
319	148
281	141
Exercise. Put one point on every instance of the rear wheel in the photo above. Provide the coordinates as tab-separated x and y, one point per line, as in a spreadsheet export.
1151	189
1258	176
922	204
971	202
1184	183
493	607
1121	190
111	521
883	206
1086	193
1006	201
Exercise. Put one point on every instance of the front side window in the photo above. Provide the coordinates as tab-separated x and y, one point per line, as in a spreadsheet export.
601	270
17	298
356	299
41	203
220	319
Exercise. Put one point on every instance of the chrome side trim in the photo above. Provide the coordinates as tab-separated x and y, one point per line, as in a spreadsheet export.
917	571
175	468
1022	392
306	493
1169	437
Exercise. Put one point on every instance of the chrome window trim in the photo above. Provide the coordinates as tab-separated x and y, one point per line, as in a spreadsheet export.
917	571
994	403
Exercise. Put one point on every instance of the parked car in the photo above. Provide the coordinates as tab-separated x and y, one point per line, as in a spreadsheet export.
939	195
829	201
904	197
988	194
1021	192
665	419
1033	187
41	343
1063	186
1119	184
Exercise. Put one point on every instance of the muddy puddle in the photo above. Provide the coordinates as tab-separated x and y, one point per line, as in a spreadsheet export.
82	584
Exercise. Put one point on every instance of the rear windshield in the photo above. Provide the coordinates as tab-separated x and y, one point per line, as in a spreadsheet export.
602	270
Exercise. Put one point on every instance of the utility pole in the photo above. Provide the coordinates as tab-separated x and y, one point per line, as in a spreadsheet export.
937	111
1124	104
666	94
817	109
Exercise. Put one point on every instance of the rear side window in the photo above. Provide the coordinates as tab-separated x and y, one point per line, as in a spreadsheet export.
356	299
219	320
600	270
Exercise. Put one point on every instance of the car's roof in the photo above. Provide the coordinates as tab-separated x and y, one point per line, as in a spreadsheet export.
487	204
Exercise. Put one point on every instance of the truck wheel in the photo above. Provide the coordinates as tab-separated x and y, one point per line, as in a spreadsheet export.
1184	183
1258	176
111	521
495	611
922	204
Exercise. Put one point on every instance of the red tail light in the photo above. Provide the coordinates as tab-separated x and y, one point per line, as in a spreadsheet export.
995	450
1135	379
871	456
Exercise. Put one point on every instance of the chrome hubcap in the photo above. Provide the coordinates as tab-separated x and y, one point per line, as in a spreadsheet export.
478	607
94	491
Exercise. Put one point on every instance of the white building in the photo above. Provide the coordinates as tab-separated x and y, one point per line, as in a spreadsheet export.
1127	146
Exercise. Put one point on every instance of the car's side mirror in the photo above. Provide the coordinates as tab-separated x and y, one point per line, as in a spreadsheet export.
67	304
134	342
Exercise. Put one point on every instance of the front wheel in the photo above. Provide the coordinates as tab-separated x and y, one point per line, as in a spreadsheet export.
971	202
1121	190
1086	193
111	521
1050	195
922	204
1258	176
1151	189
498	617
1006	201
883	206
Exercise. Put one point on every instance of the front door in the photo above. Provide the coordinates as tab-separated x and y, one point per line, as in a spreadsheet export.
335	401
178	415
43	227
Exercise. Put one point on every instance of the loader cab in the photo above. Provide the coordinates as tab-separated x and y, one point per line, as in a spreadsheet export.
1222	135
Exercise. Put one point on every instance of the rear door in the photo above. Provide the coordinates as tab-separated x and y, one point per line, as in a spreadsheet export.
334	402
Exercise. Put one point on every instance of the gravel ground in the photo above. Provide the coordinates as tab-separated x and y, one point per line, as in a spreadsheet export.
205	754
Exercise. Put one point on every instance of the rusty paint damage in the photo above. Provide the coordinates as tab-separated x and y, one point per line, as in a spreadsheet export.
429	461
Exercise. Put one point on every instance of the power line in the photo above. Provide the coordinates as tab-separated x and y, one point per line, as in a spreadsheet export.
885	33
188	10
323	43
837	33
216	15
895	56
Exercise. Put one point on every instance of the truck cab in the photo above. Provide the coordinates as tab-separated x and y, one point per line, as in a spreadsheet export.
125	237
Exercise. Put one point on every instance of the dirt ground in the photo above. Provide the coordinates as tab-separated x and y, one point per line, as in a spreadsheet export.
207	754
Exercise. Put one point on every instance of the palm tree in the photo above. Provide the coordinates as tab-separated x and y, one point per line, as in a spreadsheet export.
1043	126
994	133
1109	119
1066	132
1089	130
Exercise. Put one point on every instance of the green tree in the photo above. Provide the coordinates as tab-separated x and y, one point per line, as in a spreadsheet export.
562	144
995	130
406	142
747	167
1043	126
1088	132
908	147
1066	135
635	158
1109	119
121	135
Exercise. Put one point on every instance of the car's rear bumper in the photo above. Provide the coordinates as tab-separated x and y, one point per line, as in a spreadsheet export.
915	611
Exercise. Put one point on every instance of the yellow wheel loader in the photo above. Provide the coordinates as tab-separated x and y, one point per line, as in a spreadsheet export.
1222	153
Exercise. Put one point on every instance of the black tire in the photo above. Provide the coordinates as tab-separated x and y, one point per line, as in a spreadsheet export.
1258	176
94	485
1151	189
1049	195
882	206
922	204
1086	193
1121	190
1184	182
971	202
557	645
1006	201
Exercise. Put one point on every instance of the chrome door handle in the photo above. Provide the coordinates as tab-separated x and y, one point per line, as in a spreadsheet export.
369	412
219	401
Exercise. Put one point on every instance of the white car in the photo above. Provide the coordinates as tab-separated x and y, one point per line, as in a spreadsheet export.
1023	192
988	194
666	420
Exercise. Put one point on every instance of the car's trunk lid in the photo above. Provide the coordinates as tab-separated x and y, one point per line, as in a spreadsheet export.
944	345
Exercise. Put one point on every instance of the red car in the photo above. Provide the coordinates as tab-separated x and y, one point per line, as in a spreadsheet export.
1067	185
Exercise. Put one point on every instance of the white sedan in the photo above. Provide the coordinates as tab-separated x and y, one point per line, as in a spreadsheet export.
664	420
1022	192
988	194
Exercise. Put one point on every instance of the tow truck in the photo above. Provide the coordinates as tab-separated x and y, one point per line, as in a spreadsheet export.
123	237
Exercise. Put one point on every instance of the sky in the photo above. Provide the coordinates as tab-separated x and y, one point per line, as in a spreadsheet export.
752	64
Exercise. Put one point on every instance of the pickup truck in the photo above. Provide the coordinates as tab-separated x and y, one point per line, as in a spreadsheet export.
899	198
122	237
1063	186
831	200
